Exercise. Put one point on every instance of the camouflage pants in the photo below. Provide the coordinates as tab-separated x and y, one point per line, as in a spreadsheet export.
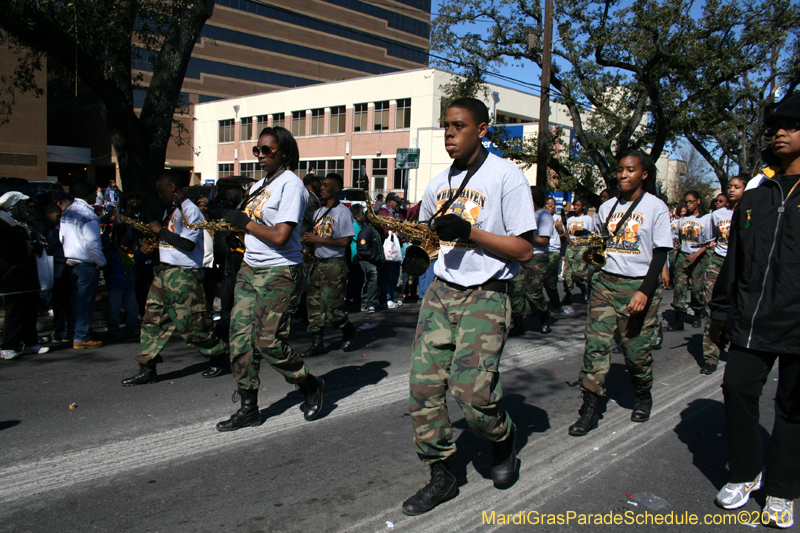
551	278
710	350
608	310
574	268
325	294
176	301
460	336
260	322
528	285
689	276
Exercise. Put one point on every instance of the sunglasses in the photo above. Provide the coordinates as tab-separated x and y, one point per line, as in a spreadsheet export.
787	125
265	150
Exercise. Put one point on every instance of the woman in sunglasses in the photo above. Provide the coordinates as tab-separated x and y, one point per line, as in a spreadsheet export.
265	285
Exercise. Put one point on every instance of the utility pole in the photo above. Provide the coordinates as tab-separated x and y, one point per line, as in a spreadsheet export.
544	101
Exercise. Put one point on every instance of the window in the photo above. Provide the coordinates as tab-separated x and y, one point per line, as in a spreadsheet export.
298	123
357	164
261	123
278	119
225	169
337	119
399	182
403	114
251	170
317	121
381	120
226	131
360	117
501	119
247	129
380	168
322	167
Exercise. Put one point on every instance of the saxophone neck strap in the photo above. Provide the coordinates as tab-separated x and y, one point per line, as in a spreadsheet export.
267	182
624	218
472	168
323	215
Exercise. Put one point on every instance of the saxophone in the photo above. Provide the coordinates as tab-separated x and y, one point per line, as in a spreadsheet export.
596	254
427	246
213	225
150	236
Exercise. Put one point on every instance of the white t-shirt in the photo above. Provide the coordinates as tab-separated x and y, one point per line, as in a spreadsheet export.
721	228
555	238
693	230
630	252
580	223
545	226
283	200
497	199
334	225
175	256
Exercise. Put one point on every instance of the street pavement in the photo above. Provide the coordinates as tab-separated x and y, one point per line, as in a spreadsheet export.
148	458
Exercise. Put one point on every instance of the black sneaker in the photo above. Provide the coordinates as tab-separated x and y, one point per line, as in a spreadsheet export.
441	488
708	368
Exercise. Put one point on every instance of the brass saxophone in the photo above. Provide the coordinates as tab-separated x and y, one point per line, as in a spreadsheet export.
596	254
213	225
427	246
150	236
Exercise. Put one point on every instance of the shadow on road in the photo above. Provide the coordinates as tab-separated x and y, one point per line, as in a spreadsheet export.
339	384
5	424
184	372
528	419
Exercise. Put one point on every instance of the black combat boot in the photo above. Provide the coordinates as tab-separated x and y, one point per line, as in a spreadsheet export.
518	329
216	365
697	320
642	407
504	460
546	323
146	374
348	336
248	414
678	324
590	414
708	368
312	389
567	299
442	487
317	346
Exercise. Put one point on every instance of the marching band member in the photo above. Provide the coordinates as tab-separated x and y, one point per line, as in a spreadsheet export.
579	225
484	219
627	290
265	285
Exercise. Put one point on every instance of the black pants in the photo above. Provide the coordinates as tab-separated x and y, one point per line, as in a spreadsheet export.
745	375
63	324
20	322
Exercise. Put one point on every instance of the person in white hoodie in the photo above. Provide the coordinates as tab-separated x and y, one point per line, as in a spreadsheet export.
83	251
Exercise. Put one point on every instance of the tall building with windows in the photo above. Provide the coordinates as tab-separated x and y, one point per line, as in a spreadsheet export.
257	46
352	126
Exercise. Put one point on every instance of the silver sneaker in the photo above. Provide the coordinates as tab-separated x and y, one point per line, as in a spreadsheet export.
778	512
735	495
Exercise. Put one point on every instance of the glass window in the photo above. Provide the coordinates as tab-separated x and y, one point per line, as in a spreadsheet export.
317	121
381	120
357	164
261	123
279	119
226	131
403	114
360	117
337	119
251	170
298	123
380	167
399	182
247	129
225	169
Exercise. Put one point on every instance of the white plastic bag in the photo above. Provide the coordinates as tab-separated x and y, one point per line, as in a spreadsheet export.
391	248
44	264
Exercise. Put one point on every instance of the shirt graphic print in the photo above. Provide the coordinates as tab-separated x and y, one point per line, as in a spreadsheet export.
467	206
256	205
626	240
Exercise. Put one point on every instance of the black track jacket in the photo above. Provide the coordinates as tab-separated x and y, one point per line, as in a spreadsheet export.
758	289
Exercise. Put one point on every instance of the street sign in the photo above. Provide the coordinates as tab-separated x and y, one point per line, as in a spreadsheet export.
407	158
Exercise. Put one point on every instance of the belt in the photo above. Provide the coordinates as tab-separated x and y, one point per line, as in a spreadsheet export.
161	267
494	285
